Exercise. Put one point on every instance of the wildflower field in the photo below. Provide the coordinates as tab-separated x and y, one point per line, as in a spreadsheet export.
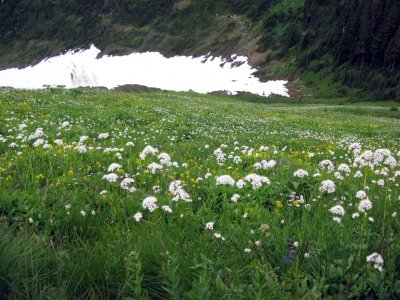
163	195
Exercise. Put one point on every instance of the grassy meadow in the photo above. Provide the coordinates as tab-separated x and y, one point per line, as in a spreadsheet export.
163	195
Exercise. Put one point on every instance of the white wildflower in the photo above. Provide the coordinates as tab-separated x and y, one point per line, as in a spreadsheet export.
344	168
257	181
112	177
210	226
166	208
219	236
176	189
390	162
165	159
150	203
58	142
377	261
338	176
235	198
257	166
240	183
22	126
113	167
337	210
81	149
361	195
65	124
83	138
268	164
138	216
225	180
337	219
156	189
327	186
300	173
327	164
38	143
103	136
237	160
125	184
153	167
380	182
364	205
148	150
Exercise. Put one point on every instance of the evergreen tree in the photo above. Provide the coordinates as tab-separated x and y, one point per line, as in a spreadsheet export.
392	54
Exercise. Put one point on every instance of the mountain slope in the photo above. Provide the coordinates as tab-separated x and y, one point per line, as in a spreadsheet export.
324	48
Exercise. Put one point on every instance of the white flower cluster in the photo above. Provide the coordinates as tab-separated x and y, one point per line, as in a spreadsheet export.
344	168
166	209
148	150
38	133
372	159
300	173
237	160
150	203
220	155
83	139
235	198
266	165
328	165
38	143
257	181
138	216
355	148
210	226
125	184
22	126
103	136
176	189
165	159
113	167
361	195
81	149
112	177
364	205
225	180
58	142
327	186
154	167
113	150
65	124
377	260
337	210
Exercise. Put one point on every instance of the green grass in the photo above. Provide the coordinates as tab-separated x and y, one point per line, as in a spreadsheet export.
62	237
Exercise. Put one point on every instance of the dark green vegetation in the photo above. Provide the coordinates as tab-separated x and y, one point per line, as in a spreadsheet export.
63	237
325	48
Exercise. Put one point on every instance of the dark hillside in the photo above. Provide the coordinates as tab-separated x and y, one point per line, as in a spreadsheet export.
324	48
